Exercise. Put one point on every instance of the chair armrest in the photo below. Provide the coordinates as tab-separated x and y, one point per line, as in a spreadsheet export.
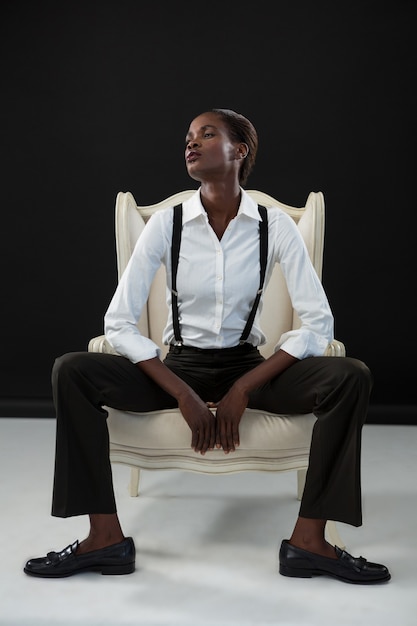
335	348
100	344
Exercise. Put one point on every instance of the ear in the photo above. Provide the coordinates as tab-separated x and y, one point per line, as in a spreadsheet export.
242	151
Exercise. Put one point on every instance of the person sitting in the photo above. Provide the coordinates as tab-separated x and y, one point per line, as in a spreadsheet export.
213	362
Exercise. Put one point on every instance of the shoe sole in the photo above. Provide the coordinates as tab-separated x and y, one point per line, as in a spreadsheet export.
105	570
295	572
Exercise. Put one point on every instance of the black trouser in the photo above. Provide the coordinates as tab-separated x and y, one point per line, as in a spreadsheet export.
335	389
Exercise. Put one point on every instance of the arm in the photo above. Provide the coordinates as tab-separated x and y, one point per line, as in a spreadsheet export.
231	407
195	412
131	295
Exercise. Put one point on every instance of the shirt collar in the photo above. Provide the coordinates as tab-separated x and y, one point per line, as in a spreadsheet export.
193	207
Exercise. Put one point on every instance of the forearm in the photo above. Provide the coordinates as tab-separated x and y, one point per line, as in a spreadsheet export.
231	407
271	367
165	378
195	412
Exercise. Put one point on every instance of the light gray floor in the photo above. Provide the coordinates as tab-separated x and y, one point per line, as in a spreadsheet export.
206	545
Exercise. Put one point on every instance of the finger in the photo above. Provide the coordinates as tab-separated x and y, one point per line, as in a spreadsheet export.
229	436
212	427
235	435
225	438
205	440
200	440
218	435
194	438
212	440
222	436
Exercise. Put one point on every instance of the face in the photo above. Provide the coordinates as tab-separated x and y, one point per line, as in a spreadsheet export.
210	154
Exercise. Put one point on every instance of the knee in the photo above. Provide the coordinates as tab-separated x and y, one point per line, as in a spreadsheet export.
65	364
355	371
359	369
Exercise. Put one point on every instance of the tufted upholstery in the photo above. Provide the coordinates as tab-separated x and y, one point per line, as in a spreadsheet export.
161	440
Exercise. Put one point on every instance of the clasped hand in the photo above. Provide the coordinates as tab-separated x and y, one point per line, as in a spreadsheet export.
219	430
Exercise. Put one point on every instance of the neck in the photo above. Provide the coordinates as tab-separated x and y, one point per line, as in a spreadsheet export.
221	206
221	202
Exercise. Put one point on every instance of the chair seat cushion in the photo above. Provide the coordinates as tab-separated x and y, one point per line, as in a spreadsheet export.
163	439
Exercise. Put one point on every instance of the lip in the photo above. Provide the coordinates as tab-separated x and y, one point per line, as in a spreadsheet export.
192	156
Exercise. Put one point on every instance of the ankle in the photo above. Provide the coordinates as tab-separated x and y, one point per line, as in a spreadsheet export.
97	542
320	547
105	530
308	534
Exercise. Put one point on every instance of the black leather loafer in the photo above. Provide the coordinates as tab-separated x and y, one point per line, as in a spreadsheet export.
116	559
303	564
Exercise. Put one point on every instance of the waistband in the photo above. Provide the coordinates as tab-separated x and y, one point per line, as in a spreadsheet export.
242	348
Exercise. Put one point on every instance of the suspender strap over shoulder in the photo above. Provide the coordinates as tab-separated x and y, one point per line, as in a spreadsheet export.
263	258
175	251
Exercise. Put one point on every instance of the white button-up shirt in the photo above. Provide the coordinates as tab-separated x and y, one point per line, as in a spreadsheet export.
217	282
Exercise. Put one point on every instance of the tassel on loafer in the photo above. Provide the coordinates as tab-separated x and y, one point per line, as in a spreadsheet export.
300	563
116	559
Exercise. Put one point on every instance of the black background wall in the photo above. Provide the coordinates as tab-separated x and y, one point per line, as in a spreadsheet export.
97	97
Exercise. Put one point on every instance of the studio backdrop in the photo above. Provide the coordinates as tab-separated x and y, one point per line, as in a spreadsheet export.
97	98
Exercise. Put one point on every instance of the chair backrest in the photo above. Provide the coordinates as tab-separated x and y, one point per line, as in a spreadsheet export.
277	315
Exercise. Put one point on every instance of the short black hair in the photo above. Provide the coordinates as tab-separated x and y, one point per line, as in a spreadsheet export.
241	130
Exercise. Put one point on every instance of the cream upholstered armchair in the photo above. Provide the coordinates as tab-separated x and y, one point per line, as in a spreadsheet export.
162	439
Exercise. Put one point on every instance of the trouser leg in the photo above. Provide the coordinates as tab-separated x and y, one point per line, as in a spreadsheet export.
82	382
337	391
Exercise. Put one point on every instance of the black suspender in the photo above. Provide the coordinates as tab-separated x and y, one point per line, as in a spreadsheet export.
175	251
263	257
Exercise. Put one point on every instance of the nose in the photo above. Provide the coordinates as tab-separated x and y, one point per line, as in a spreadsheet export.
192	143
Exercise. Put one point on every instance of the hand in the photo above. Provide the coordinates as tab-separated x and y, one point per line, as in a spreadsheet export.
229	413
201	421
197	415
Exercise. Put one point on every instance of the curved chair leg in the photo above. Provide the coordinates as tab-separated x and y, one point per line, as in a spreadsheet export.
333	535
301	480
134	482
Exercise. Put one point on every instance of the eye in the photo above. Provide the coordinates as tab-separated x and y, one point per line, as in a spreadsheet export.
208	134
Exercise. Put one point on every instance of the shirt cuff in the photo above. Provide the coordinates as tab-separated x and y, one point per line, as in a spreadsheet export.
302	344
137	349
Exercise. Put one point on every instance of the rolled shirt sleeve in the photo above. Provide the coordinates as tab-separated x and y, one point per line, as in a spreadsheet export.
130	297
306	291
